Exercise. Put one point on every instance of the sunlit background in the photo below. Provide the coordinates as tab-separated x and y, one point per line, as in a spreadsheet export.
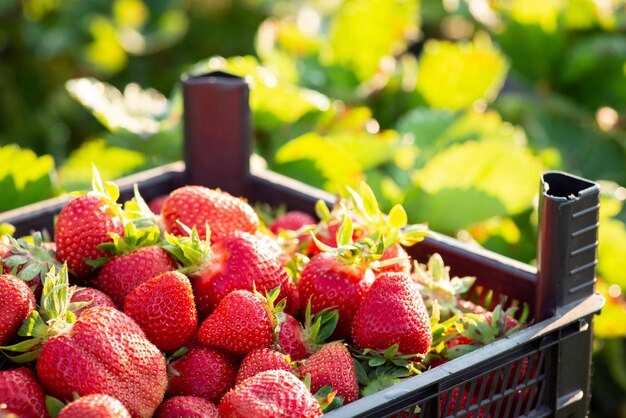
451	107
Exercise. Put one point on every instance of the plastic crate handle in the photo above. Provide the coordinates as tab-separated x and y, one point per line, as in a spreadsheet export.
568	241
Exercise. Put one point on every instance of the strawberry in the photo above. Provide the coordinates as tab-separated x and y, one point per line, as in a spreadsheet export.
393	312
333	281
95	406
272	393
301	340
261	359
21	394
93	296
186	406
165	310
238	261
17	302
202	372
290	338
123	273
241	322
292	224
135	259
102	351
333	365
85	222
196	206
30	261
453	405
156	205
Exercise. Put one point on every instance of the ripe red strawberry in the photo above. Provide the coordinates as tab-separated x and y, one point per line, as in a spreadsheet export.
165	310
392	312
300	340
241	322
84	223
17	302
261	359
454	404
195	206
291	221
95	406
330	281
156	205
238	261
332	365
202	372
103	351
186	406
21	394
270	394
290	338
89	294
106	352
123	273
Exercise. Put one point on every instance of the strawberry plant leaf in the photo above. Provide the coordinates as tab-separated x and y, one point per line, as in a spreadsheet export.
475	71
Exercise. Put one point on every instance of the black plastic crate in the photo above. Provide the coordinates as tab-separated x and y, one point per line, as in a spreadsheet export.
541	371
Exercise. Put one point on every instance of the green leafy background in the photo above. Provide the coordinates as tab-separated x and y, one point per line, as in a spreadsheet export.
452	108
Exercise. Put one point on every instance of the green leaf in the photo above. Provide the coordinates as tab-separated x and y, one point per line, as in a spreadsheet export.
376	361
135	110
322	158
434	208
22	186
113	163
456	75
390	24
29	272
507	172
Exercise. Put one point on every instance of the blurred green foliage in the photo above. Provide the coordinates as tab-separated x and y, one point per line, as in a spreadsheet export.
450	107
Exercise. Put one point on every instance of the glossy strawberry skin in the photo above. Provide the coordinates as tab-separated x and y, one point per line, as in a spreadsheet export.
241	261
261	359
123	273
290	338
330	283
203	372
21	394
165	310
89	294
186	406
17	301
95	406
272	393
83	224
194	206
239	324
332	365
393	312
106	352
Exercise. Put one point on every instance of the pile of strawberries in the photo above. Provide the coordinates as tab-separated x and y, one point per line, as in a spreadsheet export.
199	305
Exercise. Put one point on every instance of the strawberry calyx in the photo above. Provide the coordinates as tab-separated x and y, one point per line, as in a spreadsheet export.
479	329
393	226
53	316
436	285
326	397
273	309
377	370
132	239
28	257
191	251
318	327
138	212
